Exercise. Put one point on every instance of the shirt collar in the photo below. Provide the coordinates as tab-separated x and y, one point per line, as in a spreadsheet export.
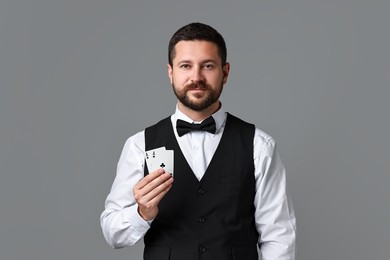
219	117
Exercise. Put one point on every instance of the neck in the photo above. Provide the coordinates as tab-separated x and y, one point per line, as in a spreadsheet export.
198	116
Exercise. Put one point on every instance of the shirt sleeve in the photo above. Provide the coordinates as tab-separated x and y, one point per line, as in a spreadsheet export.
275	218
121	224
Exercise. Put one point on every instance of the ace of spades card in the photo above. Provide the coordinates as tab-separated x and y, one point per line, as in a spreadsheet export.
159	158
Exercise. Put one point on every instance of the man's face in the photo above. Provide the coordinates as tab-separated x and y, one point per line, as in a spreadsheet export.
197	75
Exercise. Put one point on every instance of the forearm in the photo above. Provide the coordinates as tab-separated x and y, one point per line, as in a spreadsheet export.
123	227
278	240
121	224
276	221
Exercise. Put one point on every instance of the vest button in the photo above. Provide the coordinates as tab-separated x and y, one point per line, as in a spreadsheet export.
201	191
202	249
201	220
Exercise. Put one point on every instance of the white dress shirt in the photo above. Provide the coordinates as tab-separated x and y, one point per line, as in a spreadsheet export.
274	214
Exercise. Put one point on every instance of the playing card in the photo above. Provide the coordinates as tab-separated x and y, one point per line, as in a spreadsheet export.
160	158
151	157
165	160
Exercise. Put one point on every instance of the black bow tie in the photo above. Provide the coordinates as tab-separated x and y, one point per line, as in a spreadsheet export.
184	127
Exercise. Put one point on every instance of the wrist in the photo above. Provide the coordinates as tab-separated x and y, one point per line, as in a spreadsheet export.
147	215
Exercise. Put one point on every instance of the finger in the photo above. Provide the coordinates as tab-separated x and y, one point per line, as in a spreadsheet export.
148	178
153	184
149	210
145	197
141	192
154	201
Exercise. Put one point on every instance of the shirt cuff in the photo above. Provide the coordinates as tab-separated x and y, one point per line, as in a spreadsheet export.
137	223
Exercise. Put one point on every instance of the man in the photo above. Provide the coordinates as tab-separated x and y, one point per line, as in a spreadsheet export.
228	193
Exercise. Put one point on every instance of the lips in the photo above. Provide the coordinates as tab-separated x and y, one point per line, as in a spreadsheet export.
197	89
197	86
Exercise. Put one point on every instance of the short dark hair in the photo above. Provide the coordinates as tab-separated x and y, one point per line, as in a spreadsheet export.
200	32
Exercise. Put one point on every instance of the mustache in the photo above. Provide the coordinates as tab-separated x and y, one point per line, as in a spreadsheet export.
197	85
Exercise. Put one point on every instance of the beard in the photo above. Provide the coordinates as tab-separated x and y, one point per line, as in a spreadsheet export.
201	100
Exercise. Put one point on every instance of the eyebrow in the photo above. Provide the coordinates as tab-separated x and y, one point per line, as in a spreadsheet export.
205	61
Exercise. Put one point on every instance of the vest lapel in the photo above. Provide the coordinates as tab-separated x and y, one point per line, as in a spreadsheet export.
218	150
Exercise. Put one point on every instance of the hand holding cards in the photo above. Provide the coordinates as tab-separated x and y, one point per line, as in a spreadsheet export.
159	158
150	190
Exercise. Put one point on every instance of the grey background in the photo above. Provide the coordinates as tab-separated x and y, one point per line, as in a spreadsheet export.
79	77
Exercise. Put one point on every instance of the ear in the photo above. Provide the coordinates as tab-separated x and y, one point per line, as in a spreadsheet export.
169	72
225	71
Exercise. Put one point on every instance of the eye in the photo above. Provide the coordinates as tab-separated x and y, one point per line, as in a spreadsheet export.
185	66
208	66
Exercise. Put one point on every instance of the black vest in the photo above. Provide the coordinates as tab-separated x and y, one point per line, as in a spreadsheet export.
211	219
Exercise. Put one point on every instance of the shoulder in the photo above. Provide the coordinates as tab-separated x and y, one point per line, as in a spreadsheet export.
263	142
240	125
135	142
264	136
237	120
259	134
162	123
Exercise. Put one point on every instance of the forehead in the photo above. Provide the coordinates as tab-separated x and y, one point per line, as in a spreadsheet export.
196	51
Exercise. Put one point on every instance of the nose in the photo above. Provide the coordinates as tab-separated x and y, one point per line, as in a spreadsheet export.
196	75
